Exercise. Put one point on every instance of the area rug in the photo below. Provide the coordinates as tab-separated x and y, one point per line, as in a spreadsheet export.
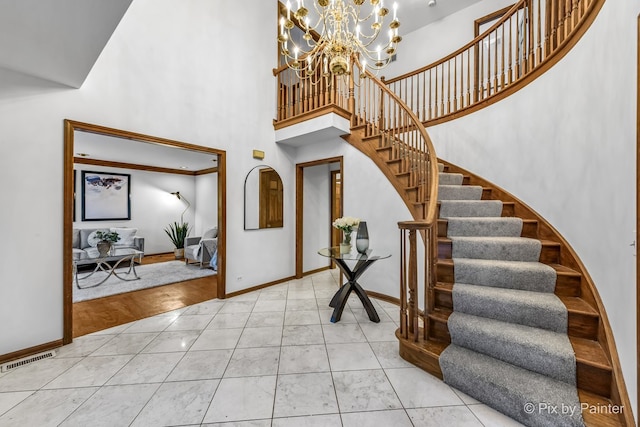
151	275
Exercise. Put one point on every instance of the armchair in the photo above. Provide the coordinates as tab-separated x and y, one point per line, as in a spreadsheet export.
201	249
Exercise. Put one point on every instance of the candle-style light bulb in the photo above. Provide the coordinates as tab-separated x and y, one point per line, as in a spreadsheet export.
326	68
364	66
288	10
295	52
375	12
379	49
395	11
282	25
309	63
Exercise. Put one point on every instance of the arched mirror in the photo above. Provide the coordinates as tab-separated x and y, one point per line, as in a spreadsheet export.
263	199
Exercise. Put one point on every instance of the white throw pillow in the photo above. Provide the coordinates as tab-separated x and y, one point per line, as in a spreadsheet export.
126	235
92	239
210	233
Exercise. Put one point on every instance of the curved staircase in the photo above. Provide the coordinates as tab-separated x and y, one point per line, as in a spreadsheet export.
511	323
504	311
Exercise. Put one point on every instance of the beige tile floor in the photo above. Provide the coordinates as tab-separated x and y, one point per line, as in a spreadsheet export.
267	358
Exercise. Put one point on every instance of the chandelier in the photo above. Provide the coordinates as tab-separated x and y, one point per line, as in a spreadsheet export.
342	28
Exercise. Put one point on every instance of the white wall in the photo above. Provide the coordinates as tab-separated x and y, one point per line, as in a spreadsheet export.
153	207
566	145
368	195
316	202
437	40
206	209
162	73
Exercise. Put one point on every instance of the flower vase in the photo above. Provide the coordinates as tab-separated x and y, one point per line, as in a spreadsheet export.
345	245
103	246
362	238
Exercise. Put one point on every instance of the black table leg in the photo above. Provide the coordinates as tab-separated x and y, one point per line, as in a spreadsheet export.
340	298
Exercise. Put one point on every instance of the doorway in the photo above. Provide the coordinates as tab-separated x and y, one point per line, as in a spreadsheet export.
319	198
70	129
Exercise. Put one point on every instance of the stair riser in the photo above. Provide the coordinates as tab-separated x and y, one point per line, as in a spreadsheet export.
594	379
583	325
438	330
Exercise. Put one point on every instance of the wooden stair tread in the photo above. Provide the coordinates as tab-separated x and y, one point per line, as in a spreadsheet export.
578	305
564	270
590	352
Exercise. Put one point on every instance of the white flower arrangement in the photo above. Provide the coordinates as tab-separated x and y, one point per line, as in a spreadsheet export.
346	223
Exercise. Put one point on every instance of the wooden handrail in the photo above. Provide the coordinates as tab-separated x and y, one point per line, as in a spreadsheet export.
529	38
427	149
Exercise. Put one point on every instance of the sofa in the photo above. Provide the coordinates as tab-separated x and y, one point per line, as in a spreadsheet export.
84	238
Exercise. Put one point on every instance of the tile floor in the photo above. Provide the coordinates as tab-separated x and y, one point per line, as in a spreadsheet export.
267	358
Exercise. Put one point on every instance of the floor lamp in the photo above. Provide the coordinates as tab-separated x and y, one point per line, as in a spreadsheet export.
181	197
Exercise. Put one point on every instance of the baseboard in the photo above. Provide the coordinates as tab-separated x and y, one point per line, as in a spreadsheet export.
29	351
258	287
317	270
383	297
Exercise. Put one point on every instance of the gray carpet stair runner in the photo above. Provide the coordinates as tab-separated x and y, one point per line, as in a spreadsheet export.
509	344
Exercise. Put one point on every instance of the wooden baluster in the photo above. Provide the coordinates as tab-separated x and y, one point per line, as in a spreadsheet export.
468	77
441	90
413	284
502	70
510	50
539	50
481	72
423	116
430	114
403	285
448	85
518	48
495	64
430	276
455	83
560	22
413	106
531	41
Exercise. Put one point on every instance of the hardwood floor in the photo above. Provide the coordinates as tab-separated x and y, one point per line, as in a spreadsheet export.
103	313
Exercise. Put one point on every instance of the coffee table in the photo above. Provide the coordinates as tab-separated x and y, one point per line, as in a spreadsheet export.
107	264
363	262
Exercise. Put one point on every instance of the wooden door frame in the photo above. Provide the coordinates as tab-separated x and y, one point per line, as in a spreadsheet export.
637	216
70	127
299	204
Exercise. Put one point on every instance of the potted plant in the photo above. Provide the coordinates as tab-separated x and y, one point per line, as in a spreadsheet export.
107	239
178	233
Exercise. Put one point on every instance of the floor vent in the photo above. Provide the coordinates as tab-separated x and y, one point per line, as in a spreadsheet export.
6	367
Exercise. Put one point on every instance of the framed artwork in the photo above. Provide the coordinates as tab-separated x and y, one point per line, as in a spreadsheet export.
106	196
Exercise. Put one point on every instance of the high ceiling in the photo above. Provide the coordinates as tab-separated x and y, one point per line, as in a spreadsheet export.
39	41
57	41
414	14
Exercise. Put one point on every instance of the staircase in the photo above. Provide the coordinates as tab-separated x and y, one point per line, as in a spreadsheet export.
511	322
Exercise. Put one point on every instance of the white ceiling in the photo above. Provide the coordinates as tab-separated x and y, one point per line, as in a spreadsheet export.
41	39
56	40
414	14
101	147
